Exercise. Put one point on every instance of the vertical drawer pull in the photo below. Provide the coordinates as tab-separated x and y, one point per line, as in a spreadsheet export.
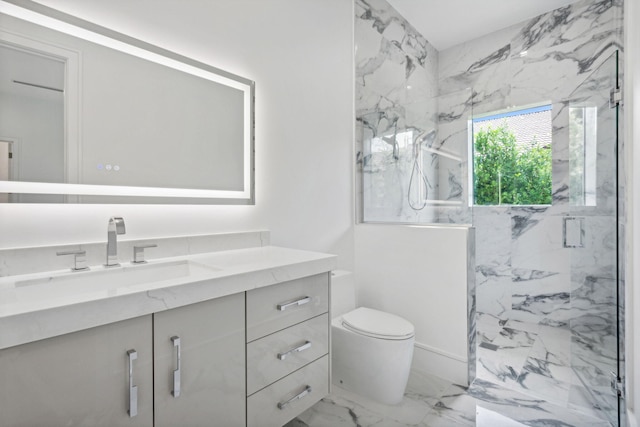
303	393
176	373
303	347
133	389
300	301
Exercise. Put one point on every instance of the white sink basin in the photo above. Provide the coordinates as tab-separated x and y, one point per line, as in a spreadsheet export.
115	277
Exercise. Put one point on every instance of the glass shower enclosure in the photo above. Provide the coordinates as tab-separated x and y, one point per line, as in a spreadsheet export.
414	162
417	169
591	234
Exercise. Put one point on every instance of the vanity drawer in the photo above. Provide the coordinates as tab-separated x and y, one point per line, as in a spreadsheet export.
292	395
276	307
277	355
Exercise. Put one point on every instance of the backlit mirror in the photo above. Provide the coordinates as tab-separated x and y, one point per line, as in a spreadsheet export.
91	115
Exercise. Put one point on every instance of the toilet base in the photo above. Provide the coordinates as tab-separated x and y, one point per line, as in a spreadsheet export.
371	367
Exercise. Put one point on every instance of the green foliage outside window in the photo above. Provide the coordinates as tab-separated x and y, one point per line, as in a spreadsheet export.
508	173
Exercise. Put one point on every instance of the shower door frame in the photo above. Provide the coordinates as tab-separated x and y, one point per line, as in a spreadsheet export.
599	398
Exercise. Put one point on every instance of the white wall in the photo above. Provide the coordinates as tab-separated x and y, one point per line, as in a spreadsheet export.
419	273
299	52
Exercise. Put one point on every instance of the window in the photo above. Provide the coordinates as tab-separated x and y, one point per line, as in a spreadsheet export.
512	157
583	133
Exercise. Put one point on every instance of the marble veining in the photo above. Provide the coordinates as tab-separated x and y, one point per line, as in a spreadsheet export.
523	272
15	261
499	55
543	362
396	102
42	310
433	402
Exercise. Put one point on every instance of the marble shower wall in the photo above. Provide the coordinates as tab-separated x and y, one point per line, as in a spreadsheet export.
396	102
523	271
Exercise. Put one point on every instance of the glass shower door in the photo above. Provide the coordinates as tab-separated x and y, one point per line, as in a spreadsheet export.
591	235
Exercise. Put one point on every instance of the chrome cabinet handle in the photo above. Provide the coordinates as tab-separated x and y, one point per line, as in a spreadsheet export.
133	389
301	301
306	391
176	373
303	347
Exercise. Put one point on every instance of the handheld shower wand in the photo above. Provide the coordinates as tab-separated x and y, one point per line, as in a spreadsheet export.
429	137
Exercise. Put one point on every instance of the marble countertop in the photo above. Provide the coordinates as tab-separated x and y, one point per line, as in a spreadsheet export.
34	306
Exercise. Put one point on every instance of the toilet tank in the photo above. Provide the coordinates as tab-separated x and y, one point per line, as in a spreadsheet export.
343	292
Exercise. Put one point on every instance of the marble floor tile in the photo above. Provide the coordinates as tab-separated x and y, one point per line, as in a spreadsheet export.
455	406
483	404
435	421
486	417
548	372
344	408
330	412
407	412
524	378
505	363
526	409
580	400
426	388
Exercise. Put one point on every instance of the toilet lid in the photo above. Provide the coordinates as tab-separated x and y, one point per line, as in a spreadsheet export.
377	324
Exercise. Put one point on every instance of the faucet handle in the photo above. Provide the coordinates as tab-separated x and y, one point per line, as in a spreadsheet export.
118	222
79	259
138	253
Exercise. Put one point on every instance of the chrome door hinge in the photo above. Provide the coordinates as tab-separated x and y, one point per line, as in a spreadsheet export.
617	385
615	97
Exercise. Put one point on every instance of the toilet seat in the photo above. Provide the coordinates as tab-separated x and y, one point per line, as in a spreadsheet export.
378	324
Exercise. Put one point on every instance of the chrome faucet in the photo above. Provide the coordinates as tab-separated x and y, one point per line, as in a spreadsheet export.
116	226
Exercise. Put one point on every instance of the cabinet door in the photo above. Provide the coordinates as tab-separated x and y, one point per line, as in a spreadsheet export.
79	379
211	378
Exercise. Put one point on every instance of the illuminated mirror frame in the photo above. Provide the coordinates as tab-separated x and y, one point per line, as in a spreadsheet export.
53	19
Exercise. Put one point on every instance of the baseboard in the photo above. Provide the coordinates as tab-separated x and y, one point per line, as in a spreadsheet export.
434	361
631	420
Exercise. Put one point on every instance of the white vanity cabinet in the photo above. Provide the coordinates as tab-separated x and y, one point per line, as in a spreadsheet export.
235	338
199	366
287	349
80	379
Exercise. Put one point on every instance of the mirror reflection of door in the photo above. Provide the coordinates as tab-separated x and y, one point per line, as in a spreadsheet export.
6	157
32	112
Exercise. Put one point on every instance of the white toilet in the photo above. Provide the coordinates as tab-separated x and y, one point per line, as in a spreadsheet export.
372	350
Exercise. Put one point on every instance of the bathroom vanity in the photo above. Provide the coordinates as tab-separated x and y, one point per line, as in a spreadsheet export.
228	337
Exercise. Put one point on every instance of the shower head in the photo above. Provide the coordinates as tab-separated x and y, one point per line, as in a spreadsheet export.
428	136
